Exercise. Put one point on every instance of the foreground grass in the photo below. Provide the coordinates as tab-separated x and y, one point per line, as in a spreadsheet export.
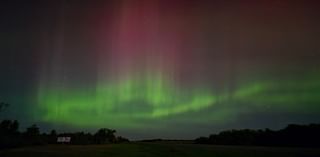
157	150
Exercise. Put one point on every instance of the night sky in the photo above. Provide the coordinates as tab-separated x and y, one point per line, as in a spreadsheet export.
160	68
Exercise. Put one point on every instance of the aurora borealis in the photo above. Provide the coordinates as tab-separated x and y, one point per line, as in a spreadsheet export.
160	68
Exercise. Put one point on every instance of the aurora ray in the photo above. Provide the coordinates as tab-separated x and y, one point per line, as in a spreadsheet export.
160	68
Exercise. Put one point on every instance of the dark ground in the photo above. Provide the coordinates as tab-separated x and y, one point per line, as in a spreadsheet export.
158	149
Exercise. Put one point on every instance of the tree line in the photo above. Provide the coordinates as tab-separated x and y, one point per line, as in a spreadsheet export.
10	136
292	135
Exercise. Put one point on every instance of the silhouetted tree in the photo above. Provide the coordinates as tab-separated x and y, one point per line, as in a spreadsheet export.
33	131
14	127
121	139
111	135
5	126
9	134
105	135
32	135
81	138
202	140
53	133
292	135
11	137
52	137
9	127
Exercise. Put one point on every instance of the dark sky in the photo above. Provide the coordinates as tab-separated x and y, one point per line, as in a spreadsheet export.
160	68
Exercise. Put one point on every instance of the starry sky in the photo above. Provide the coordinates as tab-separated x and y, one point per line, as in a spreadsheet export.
160	68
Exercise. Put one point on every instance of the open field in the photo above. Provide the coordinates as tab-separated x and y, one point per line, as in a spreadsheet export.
157	150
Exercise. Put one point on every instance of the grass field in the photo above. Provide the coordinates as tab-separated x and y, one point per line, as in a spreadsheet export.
157	150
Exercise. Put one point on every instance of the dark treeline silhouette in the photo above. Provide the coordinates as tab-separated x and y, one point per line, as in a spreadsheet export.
293	135
10	136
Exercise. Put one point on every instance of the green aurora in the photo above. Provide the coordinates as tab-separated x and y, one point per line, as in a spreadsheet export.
127	103
160	69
